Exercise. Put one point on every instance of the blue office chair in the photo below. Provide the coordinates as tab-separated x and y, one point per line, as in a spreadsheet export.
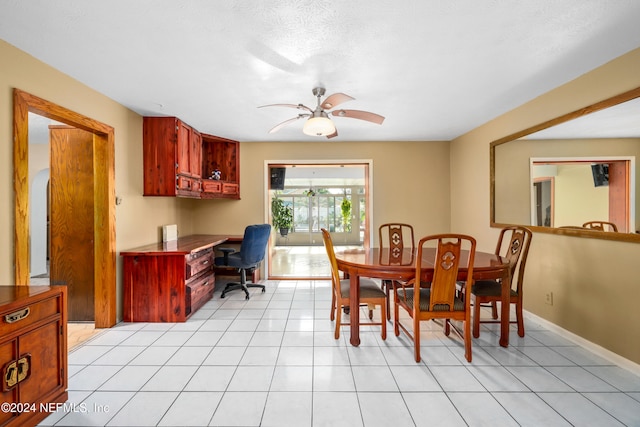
251	254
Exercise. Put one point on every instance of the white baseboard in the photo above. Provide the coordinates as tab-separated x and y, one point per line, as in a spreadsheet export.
595	348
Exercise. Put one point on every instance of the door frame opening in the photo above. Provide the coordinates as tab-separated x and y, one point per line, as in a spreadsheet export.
365	203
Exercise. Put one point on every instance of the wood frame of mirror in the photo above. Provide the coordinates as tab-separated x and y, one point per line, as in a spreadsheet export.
615	100
105	231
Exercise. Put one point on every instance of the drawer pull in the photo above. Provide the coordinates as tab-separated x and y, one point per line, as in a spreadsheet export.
205	262
24	367
16	371
10	375
17	316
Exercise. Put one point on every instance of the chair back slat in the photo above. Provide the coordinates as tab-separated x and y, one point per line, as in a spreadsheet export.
601	226
396	237
515	252
446	264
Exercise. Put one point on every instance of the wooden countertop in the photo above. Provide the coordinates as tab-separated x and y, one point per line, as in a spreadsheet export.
10	293
184	245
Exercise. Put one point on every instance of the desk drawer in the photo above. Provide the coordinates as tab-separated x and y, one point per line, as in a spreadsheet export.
19	318
199	291
199	262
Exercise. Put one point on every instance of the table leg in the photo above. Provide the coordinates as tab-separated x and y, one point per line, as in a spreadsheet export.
354	304
505	306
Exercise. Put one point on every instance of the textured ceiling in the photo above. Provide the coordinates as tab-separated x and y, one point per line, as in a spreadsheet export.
435	69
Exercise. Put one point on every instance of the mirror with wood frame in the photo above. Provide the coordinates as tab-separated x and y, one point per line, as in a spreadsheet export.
559	175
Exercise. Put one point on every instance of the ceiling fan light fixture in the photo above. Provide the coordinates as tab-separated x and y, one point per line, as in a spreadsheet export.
319	126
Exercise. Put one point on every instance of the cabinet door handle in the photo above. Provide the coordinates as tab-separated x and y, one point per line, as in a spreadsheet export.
17	316
24	367
10	375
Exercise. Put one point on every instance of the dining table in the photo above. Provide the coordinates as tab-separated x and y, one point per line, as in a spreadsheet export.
384	263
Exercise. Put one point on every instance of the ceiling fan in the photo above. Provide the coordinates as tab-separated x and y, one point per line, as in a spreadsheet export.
318	122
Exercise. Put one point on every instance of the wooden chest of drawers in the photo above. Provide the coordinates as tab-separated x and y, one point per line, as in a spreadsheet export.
168	282
33	352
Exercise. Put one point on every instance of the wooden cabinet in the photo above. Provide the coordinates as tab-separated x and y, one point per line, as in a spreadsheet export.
33	352
169	281
178	161
172	155
222	154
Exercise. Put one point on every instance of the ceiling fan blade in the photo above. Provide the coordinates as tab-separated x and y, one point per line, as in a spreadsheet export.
298	106
333	135
358	114
335	100
286	122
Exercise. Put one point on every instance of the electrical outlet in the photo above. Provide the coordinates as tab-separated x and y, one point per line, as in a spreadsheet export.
548	298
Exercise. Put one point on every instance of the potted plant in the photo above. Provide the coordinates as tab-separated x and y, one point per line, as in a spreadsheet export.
346	214
282	216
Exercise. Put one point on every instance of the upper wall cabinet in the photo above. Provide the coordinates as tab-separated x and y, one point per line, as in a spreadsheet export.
177	158
172	153
220	168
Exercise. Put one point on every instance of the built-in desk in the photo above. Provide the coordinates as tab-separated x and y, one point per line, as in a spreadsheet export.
169	281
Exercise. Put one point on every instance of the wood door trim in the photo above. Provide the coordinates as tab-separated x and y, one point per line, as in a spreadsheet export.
104	201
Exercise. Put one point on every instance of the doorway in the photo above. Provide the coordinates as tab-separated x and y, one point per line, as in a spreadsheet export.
61	212
543	193
329	195
102	198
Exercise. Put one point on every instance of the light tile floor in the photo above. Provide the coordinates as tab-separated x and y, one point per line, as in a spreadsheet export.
273	361
302	261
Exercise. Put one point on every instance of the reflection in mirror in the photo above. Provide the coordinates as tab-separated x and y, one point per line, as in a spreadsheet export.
570	192
551	176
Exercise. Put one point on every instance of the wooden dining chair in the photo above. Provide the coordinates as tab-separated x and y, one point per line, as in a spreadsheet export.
440	300
484	292
601	226
370	293
396	237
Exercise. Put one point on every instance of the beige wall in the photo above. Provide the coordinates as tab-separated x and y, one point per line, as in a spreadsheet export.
594	282
410	183
138	218
577	199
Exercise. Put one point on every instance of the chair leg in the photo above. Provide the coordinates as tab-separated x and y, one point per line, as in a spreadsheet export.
383	320
467	340
334	307
338	318
416	338
519	319
396	315
476	319
446	327
242	285
386	284
494	310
